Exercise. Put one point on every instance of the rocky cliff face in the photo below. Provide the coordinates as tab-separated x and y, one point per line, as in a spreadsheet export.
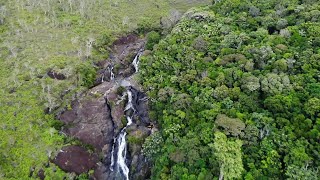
98	116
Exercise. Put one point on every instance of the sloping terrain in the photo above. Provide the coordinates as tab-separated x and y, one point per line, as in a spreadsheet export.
47	54
235	89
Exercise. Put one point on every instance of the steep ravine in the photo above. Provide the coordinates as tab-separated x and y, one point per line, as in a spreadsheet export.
112	118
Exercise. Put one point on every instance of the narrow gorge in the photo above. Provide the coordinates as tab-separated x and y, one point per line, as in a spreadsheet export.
111	119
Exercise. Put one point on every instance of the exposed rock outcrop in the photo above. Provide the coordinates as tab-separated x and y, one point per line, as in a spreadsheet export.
54	75
75	159
97	117
89	119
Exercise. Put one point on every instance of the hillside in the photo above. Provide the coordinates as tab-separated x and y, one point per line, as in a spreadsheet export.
163	89
235	90
48	51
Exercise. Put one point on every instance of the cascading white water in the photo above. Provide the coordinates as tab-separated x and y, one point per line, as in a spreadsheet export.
121	166
135	61
102	79
112	76
112	156
122	153
129	104
122	144
111	73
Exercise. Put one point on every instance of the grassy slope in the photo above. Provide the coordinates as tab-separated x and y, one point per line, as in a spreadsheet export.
45	34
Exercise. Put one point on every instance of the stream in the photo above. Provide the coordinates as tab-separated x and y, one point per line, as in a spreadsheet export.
107	115
118	163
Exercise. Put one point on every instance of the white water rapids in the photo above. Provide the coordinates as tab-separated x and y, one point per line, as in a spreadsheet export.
135	61
112	76
120	166
122	144
111	73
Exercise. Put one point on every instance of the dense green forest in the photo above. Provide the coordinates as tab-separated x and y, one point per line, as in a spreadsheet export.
66	37
235	89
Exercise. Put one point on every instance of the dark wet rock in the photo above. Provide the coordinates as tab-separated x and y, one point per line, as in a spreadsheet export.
141	104
89	119
126	39
100	172
140	168
140	165
98	116
75	159
122	53
41	174
128	71
54	75
117	104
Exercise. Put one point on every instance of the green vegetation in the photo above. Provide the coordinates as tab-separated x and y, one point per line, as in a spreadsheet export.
235	90
64	37
152	38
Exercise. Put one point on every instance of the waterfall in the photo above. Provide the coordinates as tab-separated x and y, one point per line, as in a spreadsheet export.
122	153
112	156
110	69
111	73
118	158
136	60
129	104
121	166
102	78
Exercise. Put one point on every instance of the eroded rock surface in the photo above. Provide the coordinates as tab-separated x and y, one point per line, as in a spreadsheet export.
97	117
89	119
54	75
75	159
123	52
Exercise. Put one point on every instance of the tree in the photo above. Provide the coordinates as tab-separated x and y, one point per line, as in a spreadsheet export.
274	84
312	107
228	153
261	55
297	155
251	83
221	92
230	126
151	146
301	173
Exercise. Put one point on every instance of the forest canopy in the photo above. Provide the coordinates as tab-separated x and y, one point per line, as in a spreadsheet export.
235	90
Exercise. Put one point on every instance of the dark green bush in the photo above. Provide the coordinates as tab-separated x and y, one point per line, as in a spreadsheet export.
86	74
153	38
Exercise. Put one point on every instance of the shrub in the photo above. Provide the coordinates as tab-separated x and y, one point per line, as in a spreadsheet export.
86	74
152	145
152	38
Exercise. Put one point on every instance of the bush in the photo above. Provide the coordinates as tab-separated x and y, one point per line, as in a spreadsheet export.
152	145
152	38
145	26
86	74
57	124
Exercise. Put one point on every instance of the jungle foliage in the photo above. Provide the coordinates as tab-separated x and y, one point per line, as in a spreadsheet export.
67	38
235	91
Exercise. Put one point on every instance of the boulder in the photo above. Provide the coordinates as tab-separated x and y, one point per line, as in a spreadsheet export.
54	75
75	159
90	119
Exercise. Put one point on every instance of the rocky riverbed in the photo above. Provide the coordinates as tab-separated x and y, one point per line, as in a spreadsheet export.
100	115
